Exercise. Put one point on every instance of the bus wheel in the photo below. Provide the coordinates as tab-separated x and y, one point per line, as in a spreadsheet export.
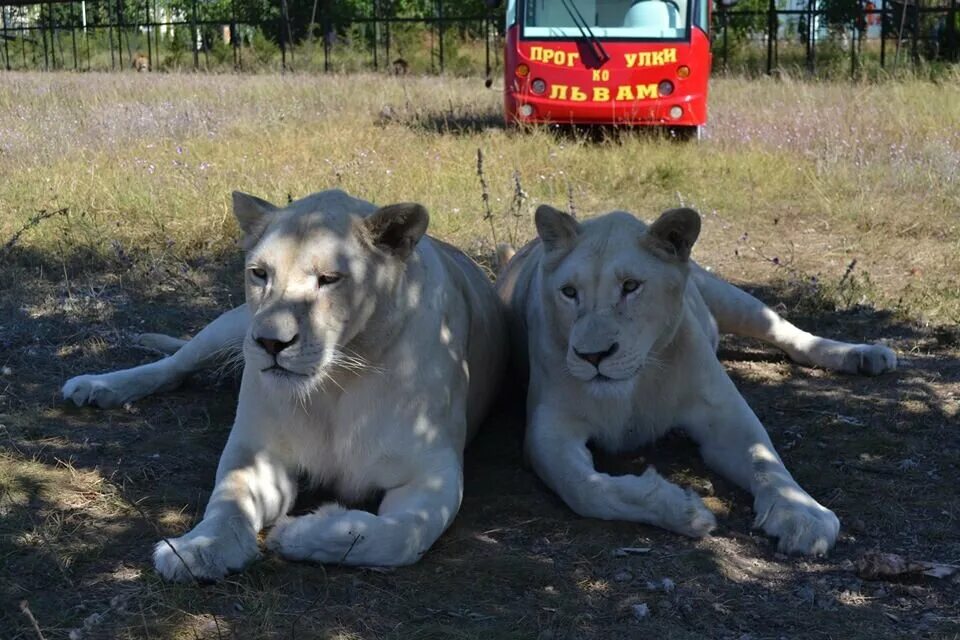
687	133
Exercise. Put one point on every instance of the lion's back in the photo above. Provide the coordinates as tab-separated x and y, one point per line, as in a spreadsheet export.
487	333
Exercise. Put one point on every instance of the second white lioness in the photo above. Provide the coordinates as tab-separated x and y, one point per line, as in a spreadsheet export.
371	354
620	330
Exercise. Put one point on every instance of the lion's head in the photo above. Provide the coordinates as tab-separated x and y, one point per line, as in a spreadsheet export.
321	274
613	290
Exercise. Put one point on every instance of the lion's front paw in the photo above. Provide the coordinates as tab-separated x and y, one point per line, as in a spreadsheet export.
201	556
286	538
96	390
801	524
871	360
337	535
695	519
326	535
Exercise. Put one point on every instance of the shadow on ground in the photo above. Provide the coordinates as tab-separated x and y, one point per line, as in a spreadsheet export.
84	494
463	120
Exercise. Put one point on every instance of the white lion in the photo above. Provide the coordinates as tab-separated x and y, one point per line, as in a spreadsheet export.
371	354
621	331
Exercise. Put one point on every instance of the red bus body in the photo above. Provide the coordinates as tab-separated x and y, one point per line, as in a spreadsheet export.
642	81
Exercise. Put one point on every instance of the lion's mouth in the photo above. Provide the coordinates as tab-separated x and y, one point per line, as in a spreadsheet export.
603	379
277	370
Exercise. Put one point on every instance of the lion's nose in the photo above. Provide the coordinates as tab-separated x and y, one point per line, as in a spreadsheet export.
597	357
273	346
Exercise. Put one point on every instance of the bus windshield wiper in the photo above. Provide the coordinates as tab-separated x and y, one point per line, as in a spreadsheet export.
585	31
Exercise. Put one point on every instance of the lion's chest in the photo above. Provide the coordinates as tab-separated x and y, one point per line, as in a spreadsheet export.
356	445
632	431
634	419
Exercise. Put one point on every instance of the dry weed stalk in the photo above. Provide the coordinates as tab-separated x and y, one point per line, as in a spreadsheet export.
570	204
25	608
33	221
136	507
516	206
485	196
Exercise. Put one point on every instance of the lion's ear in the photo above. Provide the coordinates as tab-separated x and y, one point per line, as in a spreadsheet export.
397	228
557	229
253	215
674	233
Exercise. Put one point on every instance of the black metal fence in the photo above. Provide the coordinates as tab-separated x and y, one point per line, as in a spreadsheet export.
888	34
141	34
117	34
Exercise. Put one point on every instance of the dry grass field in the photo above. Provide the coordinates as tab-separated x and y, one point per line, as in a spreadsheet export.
838	204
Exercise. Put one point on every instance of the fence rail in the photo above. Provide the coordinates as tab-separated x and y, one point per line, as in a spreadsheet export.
120	34
912	32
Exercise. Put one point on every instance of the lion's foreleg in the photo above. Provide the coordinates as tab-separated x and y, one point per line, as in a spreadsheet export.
733	442
252	490
214	342
410	519
558	451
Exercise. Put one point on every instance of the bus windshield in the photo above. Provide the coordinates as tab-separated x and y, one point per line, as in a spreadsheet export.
610	19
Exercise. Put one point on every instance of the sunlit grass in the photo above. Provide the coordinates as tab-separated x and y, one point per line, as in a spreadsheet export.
795	178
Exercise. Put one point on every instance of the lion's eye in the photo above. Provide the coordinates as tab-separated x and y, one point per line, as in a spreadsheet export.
326	279
629	286
258	273
569	292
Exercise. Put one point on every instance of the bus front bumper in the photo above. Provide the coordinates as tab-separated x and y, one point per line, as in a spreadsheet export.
677	111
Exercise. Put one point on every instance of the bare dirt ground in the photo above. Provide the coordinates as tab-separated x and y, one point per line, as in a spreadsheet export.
84	494
836	203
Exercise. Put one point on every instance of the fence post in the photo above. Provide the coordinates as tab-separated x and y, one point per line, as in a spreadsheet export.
193	36
86	37
73	32
283	46
6	41
386	40
23	41
486	42
156	31
53	32
235	40
724	20
440	26
883	34
285	22
854	38
325	20
43	34
146	13
120	30
914	49
376	36
113	58
954	48
53	35
771	33
811	34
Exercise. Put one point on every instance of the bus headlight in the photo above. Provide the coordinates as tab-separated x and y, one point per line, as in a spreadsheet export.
675	112
525	110
665	88
538	86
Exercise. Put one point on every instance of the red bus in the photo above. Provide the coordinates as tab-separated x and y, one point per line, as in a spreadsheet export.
631	62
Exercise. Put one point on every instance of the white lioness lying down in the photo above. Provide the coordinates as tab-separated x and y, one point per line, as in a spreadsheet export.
371	354
621	331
